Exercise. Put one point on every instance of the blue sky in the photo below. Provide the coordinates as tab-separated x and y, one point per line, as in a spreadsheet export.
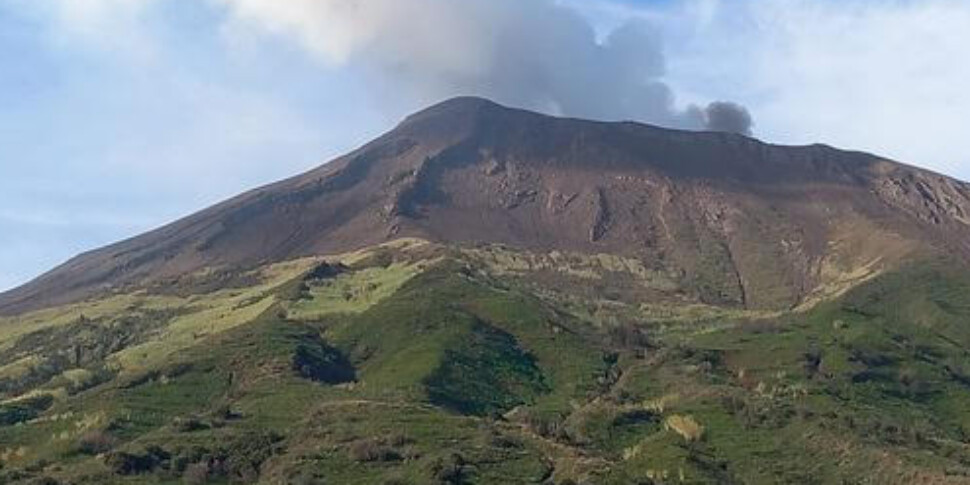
117	116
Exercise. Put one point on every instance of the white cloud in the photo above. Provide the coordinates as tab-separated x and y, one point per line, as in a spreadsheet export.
334	29
538	54
113	25
889	77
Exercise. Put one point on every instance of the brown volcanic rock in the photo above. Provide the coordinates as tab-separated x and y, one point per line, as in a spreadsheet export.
742	222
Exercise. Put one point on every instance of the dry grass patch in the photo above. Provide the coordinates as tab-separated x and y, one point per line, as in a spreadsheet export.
685	426
507	262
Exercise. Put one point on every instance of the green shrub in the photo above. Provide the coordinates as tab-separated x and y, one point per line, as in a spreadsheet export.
24	409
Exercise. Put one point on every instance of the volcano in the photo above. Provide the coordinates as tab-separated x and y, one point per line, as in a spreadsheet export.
490	295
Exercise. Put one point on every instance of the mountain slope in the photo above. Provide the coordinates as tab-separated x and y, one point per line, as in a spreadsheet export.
413	362
737	221
491	296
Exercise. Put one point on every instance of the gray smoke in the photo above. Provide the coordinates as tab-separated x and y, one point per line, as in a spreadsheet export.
535	54
728	117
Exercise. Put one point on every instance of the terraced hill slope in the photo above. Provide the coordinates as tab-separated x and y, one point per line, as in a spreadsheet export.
413	362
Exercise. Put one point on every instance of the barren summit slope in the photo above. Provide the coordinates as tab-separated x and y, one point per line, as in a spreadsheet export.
738	222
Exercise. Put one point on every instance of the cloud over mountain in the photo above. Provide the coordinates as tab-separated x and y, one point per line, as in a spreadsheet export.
535	54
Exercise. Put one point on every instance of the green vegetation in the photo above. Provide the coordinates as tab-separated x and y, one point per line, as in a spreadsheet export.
412	363
22	410
352	292
485	372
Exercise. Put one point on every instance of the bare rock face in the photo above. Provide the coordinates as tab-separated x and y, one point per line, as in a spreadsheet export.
932	198
742	222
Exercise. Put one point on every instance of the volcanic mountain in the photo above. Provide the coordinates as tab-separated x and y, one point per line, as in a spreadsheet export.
736	221
492	296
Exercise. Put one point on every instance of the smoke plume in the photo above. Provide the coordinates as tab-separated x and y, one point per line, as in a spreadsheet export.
535	54
727	116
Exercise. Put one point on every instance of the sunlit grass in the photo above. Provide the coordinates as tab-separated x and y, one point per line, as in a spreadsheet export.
354	292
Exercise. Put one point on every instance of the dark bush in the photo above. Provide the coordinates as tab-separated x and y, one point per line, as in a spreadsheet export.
225	413
326	270
813	362
177	370
243	457
96	442
507	442
373	450
122	463
24	409
125	463
452	470
872	357
317	361
629	336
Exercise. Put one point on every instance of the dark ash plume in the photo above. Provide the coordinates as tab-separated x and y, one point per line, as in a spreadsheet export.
727	117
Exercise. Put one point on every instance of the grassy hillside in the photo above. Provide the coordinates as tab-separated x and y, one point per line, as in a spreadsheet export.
416	363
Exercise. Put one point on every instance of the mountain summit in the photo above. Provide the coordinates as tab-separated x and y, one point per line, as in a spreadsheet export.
742	222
